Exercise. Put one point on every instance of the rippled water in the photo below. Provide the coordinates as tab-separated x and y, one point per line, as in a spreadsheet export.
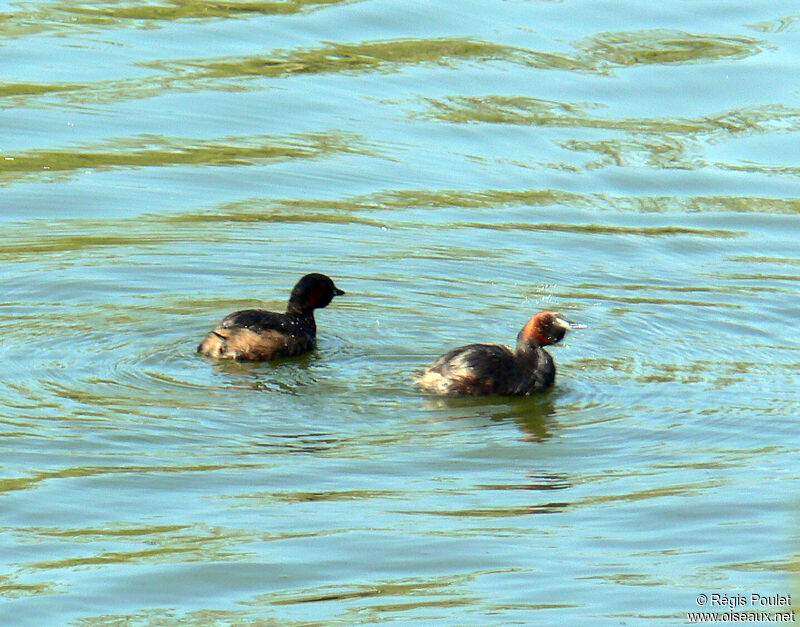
455	167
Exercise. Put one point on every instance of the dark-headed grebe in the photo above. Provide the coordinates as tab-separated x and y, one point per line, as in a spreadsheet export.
256	334
497	369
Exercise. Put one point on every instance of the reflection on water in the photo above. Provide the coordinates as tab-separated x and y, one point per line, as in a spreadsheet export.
665	46
166	163
531	414
777	25
153	151
661	142
63	16
599	54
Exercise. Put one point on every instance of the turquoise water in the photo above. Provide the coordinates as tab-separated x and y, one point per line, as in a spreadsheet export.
455	168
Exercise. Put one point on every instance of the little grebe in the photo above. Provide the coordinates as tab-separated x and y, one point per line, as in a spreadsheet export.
256	334
497	369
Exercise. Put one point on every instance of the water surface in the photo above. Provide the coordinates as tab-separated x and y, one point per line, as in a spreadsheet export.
455	168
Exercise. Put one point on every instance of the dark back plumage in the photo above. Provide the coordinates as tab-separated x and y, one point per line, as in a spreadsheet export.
257	334
479	369
499	369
